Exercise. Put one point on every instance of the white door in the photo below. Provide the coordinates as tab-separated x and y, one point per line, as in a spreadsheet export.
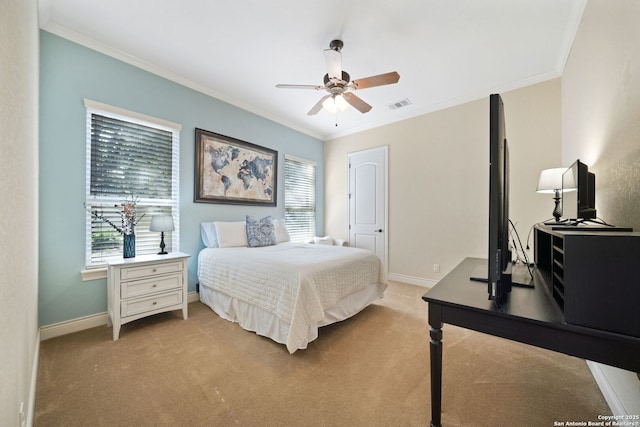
368	202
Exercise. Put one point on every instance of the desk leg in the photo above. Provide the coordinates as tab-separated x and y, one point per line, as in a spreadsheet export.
435	345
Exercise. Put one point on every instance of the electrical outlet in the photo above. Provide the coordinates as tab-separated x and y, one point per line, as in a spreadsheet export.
436	268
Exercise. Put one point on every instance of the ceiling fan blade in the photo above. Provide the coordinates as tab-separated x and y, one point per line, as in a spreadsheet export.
316	108
356	102
379	80
285	86
333	59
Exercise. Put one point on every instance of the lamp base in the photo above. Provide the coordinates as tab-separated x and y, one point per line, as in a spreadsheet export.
557	211
162	245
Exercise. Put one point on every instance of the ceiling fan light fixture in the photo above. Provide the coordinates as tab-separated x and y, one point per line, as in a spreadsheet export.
335	103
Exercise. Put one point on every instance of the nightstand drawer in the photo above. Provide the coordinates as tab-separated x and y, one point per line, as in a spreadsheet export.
136	306
150	286
150	270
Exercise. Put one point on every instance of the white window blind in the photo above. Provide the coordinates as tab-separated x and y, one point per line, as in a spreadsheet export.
300	198
129	156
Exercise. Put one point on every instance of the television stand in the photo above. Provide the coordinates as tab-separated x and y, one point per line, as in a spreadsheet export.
528	316
516	284
521	277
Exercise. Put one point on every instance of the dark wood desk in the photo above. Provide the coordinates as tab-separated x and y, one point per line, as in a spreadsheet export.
529	316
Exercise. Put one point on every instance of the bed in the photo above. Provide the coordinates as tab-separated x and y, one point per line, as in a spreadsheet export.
286	291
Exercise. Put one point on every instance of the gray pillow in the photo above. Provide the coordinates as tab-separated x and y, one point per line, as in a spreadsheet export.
260	232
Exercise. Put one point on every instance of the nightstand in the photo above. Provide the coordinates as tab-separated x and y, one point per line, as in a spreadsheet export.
145	285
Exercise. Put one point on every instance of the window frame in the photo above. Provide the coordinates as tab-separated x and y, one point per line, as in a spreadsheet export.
97	108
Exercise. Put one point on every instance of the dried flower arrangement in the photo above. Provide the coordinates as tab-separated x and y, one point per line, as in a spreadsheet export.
127	216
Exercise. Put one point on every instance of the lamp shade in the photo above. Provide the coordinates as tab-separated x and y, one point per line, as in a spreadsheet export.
550	180
161	222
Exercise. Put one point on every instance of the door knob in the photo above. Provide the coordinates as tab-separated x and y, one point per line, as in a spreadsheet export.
378	231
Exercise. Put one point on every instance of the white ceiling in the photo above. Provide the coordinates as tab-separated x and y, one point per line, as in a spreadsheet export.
447	52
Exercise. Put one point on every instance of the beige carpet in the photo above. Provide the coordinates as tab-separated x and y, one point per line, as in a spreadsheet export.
371	370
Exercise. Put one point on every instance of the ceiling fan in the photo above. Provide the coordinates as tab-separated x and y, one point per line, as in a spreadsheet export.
337	83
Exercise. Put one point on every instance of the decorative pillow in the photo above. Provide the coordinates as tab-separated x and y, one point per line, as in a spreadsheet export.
208	234
231	234
280	227
260	232
326	240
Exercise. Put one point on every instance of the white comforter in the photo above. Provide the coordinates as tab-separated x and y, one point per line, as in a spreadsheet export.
296	282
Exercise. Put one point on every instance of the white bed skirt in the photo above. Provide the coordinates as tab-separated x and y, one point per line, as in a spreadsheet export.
263	323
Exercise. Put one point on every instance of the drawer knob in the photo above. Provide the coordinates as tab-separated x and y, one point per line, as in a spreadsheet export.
155	285
154	270
155	302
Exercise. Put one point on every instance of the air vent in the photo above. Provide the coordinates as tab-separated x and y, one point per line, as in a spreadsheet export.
400	104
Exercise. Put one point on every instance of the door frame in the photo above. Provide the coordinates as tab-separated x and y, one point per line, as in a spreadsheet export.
385	234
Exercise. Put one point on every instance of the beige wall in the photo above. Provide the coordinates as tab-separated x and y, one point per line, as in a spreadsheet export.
601	106
601	127
439	178
19	207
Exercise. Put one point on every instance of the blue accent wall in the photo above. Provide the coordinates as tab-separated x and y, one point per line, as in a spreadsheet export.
69	73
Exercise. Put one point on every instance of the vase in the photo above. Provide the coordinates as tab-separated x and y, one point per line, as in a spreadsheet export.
129	246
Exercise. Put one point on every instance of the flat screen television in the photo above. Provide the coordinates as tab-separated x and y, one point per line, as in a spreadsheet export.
499	277
578	193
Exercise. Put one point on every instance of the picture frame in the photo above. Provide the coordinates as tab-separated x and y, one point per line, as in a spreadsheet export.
232	171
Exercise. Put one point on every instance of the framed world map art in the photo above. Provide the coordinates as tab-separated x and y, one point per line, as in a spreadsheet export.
232	171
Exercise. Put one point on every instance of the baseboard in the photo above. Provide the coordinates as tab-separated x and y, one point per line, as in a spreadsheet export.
617	386
193	297
31	406
73	325
86	322
418	281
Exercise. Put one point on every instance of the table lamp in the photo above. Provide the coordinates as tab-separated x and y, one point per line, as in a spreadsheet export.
551	182
161	223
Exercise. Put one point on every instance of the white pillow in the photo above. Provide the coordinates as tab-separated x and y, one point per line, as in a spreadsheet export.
326	240
208	234
231	234
280	227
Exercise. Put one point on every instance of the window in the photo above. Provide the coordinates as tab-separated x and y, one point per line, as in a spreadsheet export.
129	156
300	198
